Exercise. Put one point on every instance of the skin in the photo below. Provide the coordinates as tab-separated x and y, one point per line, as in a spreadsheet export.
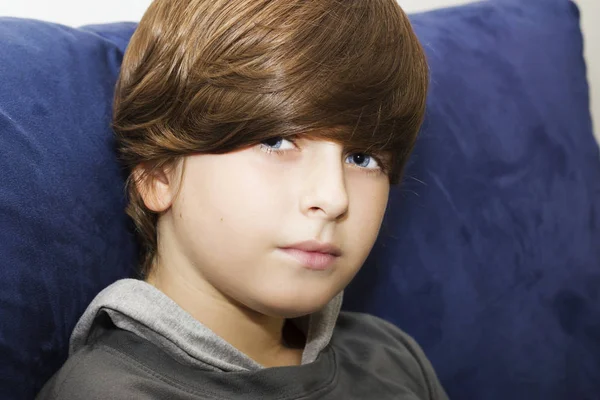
223	219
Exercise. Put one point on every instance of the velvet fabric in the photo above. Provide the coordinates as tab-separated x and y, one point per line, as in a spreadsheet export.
489	254
63	231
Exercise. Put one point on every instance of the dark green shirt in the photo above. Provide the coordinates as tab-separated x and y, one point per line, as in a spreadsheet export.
367	358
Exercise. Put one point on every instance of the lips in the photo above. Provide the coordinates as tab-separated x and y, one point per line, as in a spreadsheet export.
313	255
315	246
312	259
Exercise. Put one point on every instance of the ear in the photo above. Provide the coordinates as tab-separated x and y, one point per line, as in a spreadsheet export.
157	187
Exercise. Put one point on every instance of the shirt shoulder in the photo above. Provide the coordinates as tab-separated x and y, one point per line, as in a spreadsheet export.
115	366
94	373
377	334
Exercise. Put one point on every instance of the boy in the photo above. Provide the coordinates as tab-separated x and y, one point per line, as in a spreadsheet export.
261	138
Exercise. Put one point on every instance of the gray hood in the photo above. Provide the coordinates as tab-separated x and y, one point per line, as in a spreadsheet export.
140	308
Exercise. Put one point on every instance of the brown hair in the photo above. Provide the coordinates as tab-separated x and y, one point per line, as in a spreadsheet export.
212	76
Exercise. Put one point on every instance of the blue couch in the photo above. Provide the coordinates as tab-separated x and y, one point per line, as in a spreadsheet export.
489	254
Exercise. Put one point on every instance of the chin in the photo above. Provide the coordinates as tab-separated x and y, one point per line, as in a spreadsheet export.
292	307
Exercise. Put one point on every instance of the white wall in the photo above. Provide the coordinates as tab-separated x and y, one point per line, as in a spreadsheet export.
590	12
76	12
81	12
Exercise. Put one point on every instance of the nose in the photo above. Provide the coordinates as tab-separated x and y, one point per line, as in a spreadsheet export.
324	184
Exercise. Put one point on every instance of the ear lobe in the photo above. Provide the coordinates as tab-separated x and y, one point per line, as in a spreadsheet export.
155	187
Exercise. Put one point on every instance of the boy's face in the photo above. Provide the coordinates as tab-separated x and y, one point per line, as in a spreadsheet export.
236	213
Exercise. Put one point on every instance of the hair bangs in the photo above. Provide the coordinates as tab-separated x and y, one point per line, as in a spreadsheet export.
306	68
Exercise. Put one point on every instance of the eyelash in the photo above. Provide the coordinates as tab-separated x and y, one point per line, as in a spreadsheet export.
375	171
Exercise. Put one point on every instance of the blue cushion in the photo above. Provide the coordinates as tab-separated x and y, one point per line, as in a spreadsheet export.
63	232
490	252
487	252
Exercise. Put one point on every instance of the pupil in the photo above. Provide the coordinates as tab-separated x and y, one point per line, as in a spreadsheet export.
272	142
359	158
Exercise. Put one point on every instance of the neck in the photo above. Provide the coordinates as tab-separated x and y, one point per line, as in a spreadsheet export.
270	341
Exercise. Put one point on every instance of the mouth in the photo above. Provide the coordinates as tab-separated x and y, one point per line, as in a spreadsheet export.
316	246
313	255
311	259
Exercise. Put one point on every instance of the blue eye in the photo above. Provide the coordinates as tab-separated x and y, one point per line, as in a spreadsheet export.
363	160
276	145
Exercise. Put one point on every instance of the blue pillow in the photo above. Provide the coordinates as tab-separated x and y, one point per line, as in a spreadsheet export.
487	252
490	252
63	232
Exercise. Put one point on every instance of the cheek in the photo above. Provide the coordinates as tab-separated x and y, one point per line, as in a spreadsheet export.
368	208
233	204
